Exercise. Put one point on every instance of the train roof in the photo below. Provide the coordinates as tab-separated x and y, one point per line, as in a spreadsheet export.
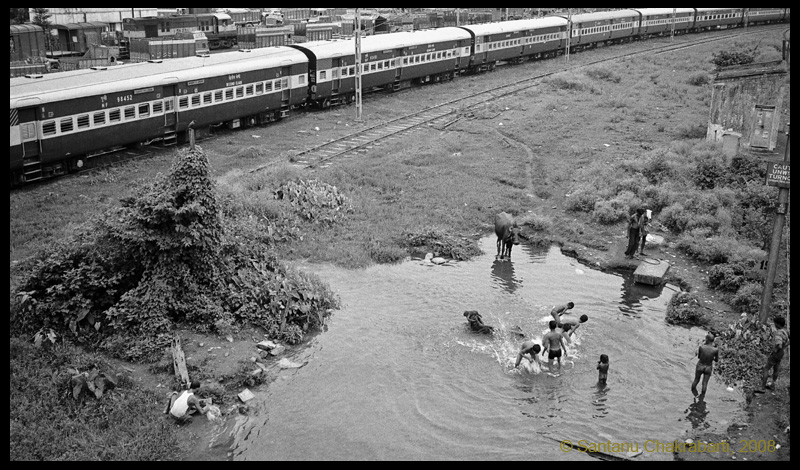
25	28
69	85
516	25
380	42
713	9
602	15
663	11
86	25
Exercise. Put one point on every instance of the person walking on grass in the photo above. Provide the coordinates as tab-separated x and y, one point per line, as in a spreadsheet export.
779	345
634	223
706	354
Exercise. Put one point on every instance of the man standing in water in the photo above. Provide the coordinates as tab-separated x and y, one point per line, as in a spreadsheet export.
554	343
706	354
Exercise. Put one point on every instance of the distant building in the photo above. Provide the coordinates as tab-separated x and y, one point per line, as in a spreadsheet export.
112	16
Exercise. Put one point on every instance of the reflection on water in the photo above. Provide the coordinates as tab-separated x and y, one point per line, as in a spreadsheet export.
399	375
696	414
599	400
503	274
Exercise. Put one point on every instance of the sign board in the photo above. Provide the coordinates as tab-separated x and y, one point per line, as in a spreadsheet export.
778	174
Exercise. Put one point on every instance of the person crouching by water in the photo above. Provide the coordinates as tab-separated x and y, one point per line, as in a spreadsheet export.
707	354
182	406
531	349
602	367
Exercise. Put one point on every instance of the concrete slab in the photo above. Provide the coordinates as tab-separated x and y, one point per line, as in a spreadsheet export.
651	271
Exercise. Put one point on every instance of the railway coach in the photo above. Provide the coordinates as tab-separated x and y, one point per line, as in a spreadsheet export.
392	61
604	27
515	41
766	15
58	120
658	21
718	18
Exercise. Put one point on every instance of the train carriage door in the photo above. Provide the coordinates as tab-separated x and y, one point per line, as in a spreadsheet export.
170	114
336	64
28	134
286	73
398	63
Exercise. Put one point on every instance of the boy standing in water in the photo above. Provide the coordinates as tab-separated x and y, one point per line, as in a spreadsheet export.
553	342
706	354
602	366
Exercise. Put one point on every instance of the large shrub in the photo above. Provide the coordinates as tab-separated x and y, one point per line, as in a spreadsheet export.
166	256
684	309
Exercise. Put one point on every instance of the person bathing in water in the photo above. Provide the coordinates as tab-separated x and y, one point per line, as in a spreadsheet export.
553	344
602	367
707	354
570	324
559	310
531	349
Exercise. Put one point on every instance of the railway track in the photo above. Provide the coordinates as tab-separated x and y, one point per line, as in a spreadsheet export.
322	155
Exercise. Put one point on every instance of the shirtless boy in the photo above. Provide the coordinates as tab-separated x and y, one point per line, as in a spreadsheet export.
530	348
554	343
559	310
706	354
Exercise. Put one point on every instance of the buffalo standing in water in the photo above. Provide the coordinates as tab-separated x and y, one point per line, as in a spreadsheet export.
507	231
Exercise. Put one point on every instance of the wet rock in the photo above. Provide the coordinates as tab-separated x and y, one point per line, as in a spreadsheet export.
287	364
278	350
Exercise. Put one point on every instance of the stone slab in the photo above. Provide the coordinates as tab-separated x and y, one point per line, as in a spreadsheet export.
651	271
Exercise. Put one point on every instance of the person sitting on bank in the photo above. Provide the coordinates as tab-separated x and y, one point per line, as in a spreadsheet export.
182	406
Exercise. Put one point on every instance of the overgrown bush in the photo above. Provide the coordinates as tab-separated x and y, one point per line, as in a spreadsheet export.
729	58
727	277
741	350
167	256
699	79
748	297
684	309
315	201
603	73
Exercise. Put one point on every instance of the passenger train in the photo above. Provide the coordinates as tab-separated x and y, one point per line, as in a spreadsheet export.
59	120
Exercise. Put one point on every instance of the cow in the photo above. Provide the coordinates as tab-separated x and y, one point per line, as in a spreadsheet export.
507	231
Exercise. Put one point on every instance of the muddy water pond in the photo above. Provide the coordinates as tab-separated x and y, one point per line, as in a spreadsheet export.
398	374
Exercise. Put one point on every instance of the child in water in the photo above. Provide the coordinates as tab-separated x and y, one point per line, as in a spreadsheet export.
602	366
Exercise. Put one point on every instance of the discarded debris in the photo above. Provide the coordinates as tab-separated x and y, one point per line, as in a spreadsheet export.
246	395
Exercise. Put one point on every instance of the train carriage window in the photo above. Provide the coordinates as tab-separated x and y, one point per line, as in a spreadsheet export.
427	57
248	90
183	102
228	94
49	128
99	118
380	65
277	85
195	101
386	64
372	67
66	125
267	86
158	107
207	98
144	110
114	115
352	70
259	88
130	113
405	60
27	131
239	92
218	96
83	121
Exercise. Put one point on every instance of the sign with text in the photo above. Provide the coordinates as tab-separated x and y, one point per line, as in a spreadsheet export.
778	174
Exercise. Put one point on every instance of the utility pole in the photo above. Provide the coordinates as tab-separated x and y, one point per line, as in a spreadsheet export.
777	233
358	65
746	18
569	33
672	34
